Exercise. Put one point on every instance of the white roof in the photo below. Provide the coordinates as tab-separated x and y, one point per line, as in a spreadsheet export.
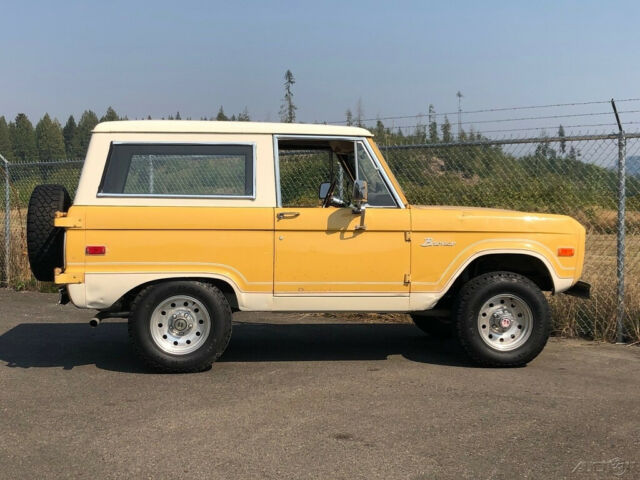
188	126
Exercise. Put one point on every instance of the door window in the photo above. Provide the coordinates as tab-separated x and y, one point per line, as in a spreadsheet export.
306	164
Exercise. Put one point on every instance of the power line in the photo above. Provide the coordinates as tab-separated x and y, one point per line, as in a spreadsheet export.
489	110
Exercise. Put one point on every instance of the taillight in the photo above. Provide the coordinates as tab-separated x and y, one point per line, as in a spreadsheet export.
95	250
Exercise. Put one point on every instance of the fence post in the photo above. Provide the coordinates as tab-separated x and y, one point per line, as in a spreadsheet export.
622	194
7	221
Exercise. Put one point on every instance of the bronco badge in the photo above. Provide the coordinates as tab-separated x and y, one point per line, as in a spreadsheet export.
430	242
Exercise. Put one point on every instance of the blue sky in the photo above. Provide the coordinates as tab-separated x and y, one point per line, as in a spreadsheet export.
159	57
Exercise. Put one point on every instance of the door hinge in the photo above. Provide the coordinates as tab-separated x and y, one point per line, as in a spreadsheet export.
407	278
407	236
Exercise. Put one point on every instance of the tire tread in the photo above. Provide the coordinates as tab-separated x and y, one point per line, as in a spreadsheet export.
466	294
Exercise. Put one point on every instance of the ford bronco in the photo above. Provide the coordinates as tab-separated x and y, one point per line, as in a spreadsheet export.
177	224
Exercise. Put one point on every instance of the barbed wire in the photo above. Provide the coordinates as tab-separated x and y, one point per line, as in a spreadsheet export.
394	128
546	117
490	110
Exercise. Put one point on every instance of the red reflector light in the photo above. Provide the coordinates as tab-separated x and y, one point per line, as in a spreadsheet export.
96	250
566	252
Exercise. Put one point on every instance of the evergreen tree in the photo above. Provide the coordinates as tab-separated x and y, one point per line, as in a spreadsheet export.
6	148
244	115
221	117
433	125
379	131
288	108
420	131
110	116
563	142
49	139
359	120
446	131
23	138
83	133
178	117
69	134
349	116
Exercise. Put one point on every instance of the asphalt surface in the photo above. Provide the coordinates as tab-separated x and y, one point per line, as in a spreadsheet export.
297	397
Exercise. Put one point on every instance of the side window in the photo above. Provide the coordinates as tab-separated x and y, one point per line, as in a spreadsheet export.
181	170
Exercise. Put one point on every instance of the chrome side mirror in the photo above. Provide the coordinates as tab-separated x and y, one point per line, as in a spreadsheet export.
323	190
360	195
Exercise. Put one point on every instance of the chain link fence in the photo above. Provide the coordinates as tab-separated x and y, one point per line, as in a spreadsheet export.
576	176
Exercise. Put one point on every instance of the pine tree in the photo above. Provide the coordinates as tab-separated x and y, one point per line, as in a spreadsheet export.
288	108
23	138
359	120
83	133
379	131
69	134
349	116
420	131
49	139
178	117
244	115
110	116
433	125
6	148
563	142
446	131
221	117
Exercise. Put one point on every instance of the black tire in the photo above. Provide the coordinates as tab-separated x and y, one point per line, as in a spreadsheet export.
469	321
211	348
433	326
45	243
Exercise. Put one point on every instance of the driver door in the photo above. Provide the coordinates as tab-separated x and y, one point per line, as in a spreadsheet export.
325	251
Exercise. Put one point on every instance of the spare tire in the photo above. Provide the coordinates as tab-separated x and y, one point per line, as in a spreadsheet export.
45	243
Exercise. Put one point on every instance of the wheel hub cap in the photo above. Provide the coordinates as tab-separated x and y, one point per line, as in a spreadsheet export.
505	322
180	324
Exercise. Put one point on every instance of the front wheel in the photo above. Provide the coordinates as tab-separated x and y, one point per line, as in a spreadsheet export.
502	319
180	326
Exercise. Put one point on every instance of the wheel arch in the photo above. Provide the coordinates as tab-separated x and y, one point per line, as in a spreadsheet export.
225	285
529	264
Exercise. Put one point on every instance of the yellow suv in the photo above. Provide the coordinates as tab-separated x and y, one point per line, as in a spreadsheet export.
176	224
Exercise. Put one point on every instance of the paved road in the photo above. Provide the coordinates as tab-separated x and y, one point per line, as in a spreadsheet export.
291	399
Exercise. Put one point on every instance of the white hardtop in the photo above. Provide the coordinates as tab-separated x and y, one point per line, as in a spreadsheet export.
204	126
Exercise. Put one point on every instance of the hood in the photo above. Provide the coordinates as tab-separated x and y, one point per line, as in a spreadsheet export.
473	219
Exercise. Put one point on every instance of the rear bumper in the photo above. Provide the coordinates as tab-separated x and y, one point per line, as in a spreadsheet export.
580	289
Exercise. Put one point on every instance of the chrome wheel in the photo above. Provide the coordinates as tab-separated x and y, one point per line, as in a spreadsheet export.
180	325
505	322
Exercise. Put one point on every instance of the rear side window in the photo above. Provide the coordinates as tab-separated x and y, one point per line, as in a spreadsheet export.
179	170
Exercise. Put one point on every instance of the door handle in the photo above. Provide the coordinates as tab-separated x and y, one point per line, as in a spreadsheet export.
283	215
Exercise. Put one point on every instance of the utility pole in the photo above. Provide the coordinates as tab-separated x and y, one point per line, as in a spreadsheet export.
459	95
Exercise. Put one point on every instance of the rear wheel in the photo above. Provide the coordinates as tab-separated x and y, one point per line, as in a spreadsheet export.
45	243
180	326
502	319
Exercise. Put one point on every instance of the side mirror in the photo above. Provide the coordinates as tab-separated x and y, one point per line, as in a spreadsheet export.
360	195
324	189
